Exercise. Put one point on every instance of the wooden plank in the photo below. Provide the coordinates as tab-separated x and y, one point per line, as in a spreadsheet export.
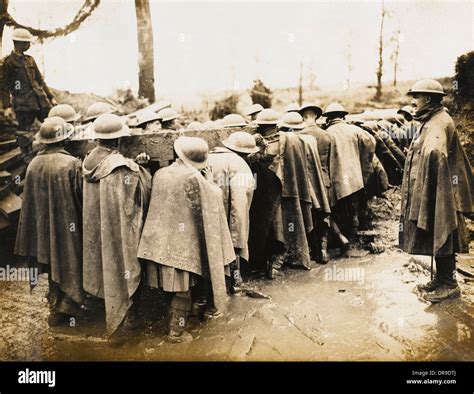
159	145
8	145
9	159
10	204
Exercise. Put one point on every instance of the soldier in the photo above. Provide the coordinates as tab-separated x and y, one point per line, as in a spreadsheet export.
32	98
350	165
186	235
319	243
253	111
195	126
95	110
233	175
209	125
408	130
264	247
146	119
292	107
85	131
167	118
66	112
50	225
116	194
234	121
437	192
282	212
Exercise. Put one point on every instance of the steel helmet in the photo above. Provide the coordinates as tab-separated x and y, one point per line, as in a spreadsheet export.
267	116
167	114
429	86
292	120
218	123
242	142
292	107
64	111
312	107
253	109
233	120
110	126
193	151
141	118
334	108
22	35
54	129
407	109
159	105
97	109
195	126
209	125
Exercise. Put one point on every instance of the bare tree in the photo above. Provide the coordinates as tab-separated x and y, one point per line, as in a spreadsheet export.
312	76
86	10
300	86
395	54
146	62
349	65
378	92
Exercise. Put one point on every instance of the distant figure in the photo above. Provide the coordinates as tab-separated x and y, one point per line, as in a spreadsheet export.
409	128
32	98
234	121
167	118
292	107
66	112
253	111
437	191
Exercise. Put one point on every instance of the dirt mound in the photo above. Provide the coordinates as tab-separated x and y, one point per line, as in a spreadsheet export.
388	207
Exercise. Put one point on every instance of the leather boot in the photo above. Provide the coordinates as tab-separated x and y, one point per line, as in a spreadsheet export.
324	250
345	244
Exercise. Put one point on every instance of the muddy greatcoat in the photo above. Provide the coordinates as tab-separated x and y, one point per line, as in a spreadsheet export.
438	188
186	228
324	142
50	226
315	175
351	159
116	194
234	177
282	209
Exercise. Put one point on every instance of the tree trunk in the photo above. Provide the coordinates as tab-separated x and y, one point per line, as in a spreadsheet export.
395	62
146	72
378	92
300	88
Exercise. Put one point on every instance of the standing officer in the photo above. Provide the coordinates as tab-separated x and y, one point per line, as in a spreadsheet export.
32	98
437	192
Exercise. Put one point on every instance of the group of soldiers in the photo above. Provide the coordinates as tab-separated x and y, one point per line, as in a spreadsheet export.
263	201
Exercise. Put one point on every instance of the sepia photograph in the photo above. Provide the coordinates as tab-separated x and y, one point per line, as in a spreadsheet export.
237	182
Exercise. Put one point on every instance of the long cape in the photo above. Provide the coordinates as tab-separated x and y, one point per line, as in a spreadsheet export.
438	182
350	163
234	177
116	194
50	226
186	227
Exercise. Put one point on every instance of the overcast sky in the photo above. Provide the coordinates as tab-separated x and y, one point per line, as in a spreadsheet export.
211	46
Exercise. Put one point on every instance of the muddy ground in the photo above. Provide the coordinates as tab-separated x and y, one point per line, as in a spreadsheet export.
355	308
